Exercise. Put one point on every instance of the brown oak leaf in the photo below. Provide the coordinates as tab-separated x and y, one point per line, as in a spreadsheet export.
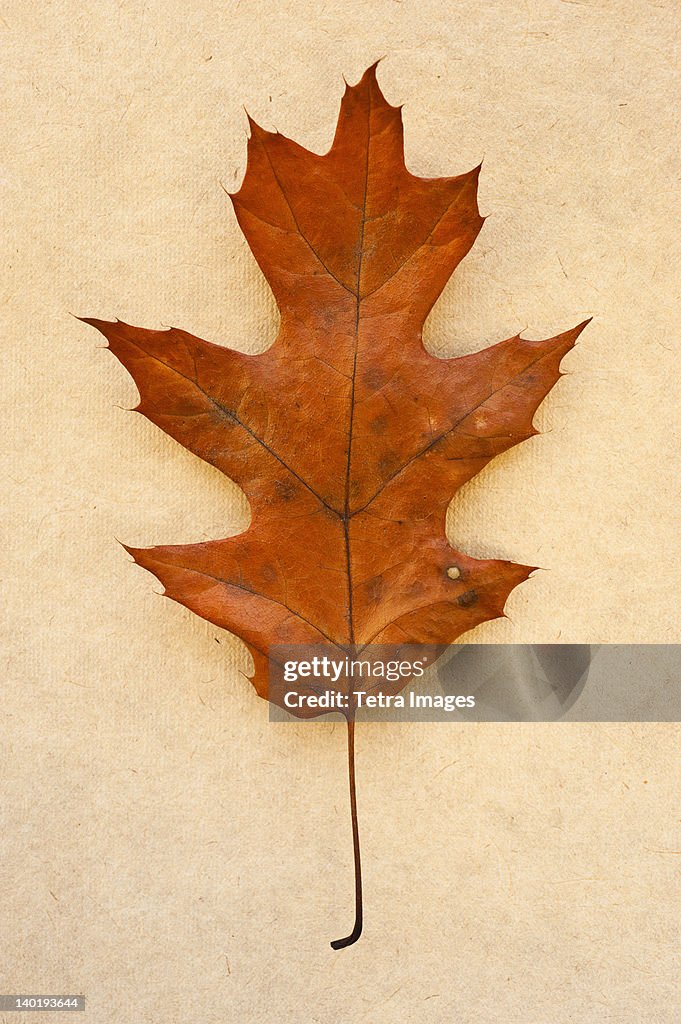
348	438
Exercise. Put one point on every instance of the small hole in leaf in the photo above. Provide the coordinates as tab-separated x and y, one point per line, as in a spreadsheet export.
454	572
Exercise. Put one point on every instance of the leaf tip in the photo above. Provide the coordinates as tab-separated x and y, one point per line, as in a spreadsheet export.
570	338
526	571
256	131
93	321
103	326
368	84
371	70
126	547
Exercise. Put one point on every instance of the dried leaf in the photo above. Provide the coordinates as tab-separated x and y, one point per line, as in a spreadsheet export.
348	438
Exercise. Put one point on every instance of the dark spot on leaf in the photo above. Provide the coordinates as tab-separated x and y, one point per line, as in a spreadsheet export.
375	377
467	599
388	464
286	490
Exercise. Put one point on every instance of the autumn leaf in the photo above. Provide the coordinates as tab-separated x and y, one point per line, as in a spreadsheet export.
348	438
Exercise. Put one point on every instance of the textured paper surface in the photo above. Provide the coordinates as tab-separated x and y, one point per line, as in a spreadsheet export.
166	850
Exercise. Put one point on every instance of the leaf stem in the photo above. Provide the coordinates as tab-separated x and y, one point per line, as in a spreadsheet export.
357	928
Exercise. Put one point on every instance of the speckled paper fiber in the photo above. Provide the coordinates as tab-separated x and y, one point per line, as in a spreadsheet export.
166	850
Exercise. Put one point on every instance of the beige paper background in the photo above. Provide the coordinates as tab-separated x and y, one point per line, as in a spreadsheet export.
166	850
